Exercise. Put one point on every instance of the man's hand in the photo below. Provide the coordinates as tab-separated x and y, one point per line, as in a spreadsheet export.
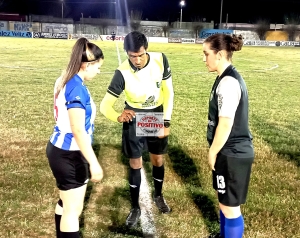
126	116
166	132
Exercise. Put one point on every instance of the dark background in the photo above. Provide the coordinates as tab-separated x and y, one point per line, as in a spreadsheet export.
239	11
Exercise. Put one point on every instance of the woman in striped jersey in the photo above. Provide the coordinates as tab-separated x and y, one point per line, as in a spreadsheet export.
69	151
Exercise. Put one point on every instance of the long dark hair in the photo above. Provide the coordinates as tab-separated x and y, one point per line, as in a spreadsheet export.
83	51
225	42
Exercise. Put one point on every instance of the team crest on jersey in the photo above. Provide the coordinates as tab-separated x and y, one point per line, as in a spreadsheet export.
158	84
149	102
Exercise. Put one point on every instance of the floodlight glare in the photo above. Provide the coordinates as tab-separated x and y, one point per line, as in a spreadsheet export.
182	3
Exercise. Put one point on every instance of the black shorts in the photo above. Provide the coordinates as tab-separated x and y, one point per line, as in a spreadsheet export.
133	146
231	179
70	168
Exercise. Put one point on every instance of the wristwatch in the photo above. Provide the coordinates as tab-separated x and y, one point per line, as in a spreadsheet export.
167	124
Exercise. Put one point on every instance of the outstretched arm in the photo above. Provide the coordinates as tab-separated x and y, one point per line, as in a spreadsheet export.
168	93
106	107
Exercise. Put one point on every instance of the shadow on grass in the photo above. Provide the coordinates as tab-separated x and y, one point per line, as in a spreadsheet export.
185	167
96	148
85	204
279	138
118	220
119	196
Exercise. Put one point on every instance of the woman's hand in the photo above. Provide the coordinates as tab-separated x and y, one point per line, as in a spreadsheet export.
96	172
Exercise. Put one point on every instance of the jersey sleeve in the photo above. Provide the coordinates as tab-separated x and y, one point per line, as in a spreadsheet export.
229	95
117	84
167	69
77	97
168	91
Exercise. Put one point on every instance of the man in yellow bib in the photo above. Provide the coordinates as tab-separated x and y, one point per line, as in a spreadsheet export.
145	78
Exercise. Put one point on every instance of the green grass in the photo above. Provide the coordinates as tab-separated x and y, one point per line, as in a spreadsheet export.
28	193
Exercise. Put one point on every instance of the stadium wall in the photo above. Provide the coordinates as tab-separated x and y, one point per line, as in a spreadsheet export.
149	30
57	28
49	19
3	25
23	26
277	36
67	36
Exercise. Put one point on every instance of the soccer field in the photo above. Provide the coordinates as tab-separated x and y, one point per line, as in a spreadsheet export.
28	69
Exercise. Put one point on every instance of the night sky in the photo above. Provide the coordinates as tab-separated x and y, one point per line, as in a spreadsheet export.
161	10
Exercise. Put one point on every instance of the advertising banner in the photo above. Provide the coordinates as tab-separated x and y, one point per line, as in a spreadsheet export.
188	41
289	43
208	32
158	39
108	38
25	34
271	43
57	28
174	40
259	43
199	41
21	26
247	35
50	35
88	36
3	26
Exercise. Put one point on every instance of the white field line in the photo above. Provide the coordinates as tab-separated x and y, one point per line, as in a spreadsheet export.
147	219
145	200
118	52
39	69
274	66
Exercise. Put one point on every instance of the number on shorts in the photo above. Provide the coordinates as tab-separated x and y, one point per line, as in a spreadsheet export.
220	181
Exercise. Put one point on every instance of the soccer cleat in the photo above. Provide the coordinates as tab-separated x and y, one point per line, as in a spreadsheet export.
133	217
161	204
216	236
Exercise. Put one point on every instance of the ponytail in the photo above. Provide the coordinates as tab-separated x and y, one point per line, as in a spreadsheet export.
74	63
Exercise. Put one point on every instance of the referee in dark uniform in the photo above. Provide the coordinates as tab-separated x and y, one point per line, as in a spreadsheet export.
146	80
231	152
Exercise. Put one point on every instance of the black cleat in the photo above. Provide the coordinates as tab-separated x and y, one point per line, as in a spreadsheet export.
161	204
133	217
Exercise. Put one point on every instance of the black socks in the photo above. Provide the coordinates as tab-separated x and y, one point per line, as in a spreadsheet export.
158	174
135	183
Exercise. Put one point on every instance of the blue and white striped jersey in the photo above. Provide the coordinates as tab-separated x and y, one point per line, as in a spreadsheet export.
74	95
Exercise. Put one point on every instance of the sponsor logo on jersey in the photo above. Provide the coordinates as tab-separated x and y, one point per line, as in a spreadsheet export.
150	102
211	123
